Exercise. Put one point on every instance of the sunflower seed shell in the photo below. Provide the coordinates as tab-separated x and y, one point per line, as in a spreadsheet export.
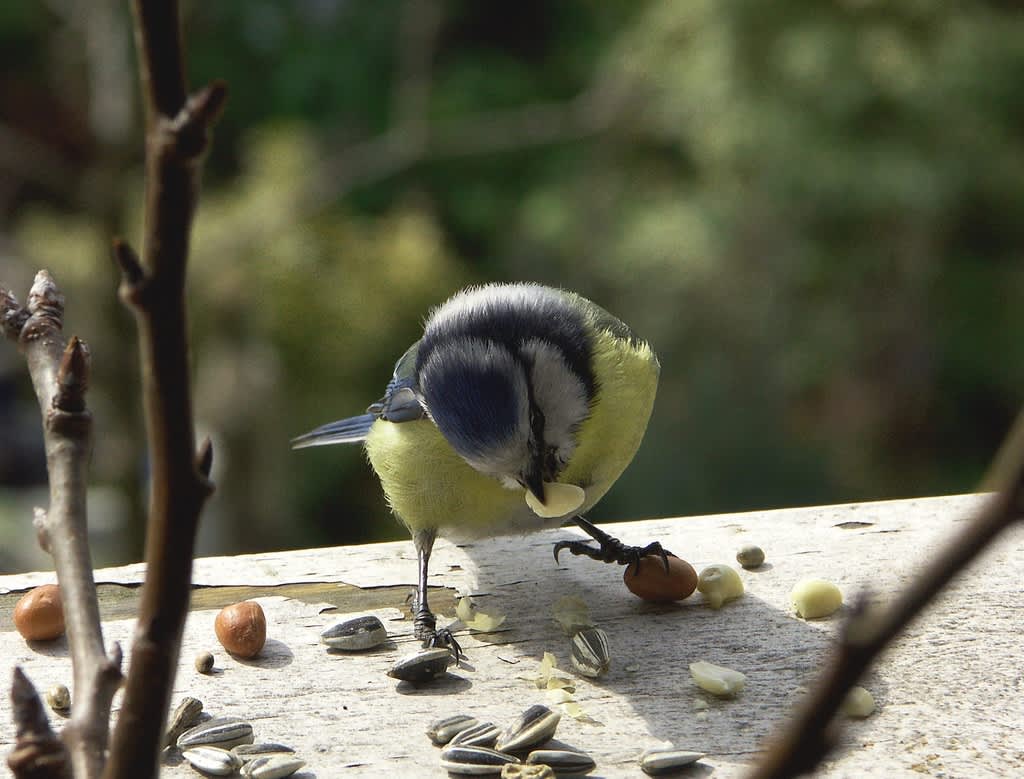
483	734
443	730
212	760
591	655
223	732
531	728
657	762
422	666
474	761
272	767
563	761
248	752
355	634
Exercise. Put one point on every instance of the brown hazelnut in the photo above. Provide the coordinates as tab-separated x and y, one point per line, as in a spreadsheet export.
39	614
242	628
648	579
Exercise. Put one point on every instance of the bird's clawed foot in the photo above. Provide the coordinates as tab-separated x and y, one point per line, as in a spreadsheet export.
610	549
425	629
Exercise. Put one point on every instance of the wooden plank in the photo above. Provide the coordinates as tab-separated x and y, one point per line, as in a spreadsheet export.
949	693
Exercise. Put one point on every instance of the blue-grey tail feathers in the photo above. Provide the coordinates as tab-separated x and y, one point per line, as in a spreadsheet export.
344	431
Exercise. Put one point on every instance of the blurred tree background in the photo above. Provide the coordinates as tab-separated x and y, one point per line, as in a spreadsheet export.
813	211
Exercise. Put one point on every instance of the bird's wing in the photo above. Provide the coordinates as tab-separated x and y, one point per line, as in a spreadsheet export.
399	404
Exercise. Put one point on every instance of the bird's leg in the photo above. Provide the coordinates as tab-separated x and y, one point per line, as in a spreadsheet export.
609	549
424	622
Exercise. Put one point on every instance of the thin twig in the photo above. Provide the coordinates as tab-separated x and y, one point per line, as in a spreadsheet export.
60	376
807	738
177	138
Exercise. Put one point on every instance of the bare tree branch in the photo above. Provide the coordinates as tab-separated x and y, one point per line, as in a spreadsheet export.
806	739
177	137
60	375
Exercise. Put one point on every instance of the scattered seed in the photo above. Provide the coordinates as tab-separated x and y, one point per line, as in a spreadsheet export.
657	762
248	752
474	761
572	613
212	760
718	584
483	734
815	598
531	728
272	767
563	761
241	628
750	556
39	613
859	703
649	580
590	653
204	662
224	732
58	697
355	634
185	715
422	666
717	679
443	730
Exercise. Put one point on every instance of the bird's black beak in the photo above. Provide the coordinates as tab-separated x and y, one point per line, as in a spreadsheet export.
534	482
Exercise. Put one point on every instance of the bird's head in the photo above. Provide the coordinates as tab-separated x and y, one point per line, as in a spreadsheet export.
511	411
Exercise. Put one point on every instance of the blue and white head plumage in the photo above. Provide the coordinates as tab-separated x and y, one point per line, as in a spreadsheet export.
491	357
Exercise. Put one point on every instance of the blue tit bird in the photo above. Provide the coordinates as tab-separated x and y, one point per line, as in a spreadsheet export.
517	410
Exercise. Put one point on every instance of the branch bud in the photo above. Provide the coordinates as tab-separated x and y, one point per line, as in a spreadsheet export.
72	377
204	458
37	753
45	308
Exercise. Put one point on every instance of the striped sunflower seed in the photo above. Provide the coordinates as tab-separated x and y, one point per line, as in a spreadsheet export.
422	666
531	728
247	752
563	761
185	715
212	760
657	762
483	734
223	732
272	767
443	730
474	761
590	653
356	634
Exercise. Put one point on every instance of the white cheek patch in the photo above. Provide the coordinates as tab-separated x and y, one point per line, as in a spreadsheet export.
559	500
560	395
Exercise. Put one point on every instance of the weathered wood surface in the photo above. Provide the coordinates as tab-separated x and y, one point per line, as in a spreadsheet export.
950	693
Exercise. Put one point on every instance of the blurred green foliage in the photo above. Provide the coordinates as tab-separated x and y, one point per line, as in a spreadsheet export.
812	211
